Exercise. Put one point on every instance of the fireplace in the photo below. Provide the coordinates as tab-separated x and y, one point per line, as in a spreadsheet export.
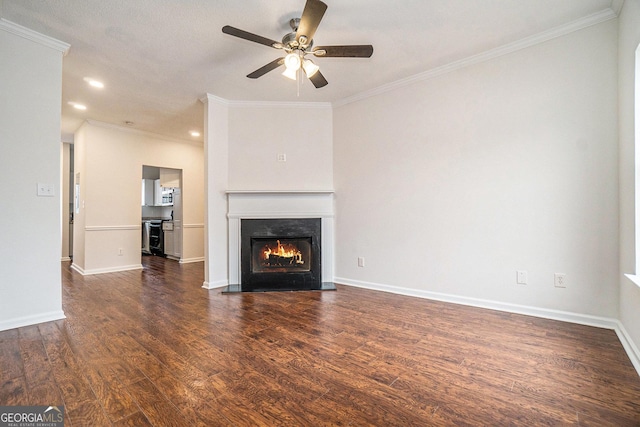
280	254
271	216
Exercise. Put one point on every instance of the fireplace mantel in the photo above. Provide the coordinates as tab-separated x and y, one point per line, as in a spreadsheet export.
279	191
261	204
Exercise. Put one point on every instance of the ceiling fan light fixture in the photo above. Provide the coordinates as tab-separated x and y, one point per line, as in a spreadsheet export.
299	43
310	68
290	73
292	61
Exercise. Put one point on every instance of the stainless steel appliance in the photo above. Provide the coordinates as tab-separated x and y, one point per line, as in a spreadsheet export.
145	237
152	237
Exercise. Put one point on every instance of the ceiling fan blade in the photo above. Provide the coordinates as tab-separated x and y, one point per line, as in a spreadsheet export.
266	68
318	80
311	17
232	31
349	51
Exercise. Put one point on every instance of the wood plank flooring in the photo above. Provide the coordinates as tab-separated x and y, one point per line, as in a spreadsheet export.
152	348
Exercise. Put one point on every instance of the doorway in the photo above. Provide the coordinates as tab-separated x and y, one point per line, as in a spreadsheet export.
161	212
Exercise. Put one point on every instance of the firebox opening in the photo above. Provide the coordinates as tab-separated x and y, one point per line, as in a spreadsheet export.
280	255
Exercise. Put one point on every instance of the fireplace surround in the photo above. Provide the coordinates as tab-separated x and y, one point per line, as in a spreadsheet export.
280	254
280	240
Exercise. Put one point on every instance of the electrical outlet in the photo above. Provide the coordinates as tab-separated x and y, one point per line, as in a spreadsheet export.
282	157
560	280
360	261
521	277
120	251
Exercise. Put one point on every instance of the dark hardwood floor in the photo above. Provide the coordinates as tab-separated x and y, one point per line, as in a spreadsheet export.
152	347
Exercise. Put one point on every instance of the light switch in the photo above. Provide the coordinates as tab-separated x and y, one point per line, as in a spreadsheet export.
46	190
521	277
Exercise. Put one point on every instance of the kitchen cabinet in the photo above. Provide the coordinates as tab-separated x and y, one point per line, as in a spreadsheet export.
167	228
148	191
172	239
157	193
170	178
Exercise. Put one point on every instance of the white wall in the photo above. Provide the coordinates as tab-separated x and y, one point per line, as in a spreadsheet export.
258	133
452	184
629	39
244	140
30	84
216	153
109	160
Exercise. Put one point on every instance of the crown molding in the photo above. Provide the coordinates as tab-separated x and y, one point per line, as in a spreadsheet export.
148	134
26	33
263	104
275	104
616	6
207	98
588	21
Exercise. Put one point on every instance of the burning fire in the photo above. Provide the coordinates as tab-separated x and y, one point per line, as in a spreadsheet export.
290	252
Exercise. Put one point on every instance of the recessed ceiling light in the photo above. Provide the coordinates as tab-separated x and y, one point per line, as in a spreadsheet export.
78	106
94	83
194	133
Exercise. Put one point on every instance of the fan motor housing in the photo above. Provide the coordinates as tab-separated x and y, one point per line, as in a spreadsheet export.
289	40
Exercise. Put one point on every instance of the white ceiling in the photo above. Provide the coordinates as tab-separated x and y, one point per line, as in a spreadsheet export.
157	58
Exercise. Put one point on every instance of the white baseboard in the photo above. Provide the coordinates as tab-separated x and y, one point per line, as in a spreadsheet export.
106	270
629	346
215	285
31	320
65	258
582	319
190	260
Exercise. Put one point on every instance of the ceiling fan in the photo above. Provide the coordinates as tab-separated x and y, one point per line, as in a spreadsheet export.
298	44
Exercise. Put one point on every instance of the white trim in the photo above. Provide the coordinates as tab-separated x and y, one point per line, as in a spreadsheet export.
19	322
280	191
565	316
616	6
635	279
65	258
191	260
146	133
275	104
254	215
212	98
26	33
112	227
215	285
192	225
594	19
629	346
234	250
279	204
106	270
263	104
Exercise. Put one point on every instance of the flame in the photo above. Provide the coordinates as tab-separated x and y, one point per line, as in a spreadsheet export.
290	252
